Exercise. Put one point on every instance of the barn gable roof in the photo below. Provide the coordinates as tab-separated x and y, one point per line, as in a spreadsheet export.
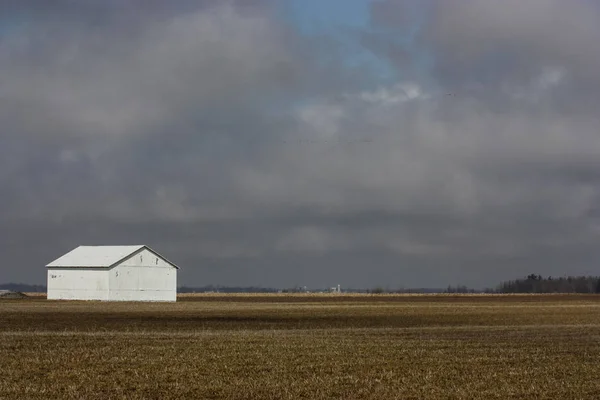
100	256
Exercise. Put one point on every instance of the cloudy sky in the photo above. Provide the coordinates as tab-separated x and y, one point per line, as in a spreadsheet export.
304	142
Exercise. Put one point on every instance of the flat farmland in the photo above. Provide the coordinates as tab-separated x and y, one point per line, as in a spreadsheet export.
303	346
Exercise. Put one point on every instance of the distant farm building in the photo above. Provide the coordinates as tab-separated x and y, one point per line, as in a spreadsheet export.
9	294
117	273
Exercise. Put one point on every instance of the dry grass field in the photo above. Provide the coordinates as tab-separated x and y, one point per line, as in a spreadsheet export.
303	346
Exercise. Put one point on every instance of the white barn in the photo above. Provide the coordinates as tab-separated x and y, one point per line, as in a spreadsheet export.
113	273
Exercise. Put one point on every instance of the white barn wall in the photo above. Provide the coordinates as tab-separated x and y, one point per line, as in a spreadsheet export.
146	258
143	277
78	284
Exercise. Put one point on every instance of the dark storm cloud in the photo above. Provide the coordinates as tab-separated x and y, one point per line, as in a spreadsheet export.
252	155
106	11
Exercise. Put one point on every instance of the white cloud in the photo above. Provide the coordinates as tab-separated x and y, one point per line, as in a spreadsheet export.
395	94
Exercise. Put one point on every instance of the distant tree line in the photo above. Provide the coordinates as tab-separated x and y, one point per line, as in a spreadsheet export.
537	284
532	283
225	289
22	287
460	289
381	290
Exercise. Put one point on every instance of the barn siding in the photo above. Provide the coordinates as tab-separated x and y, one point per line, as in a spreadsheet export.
78	284
143	283
146	258
143	277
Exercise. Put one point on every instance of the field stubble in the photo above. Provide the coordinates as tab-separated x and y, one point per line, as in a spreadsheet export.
290	347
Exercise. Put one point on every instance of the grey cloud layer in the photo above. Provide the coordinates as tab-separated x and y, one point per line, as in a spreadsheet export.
475	35
254	156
